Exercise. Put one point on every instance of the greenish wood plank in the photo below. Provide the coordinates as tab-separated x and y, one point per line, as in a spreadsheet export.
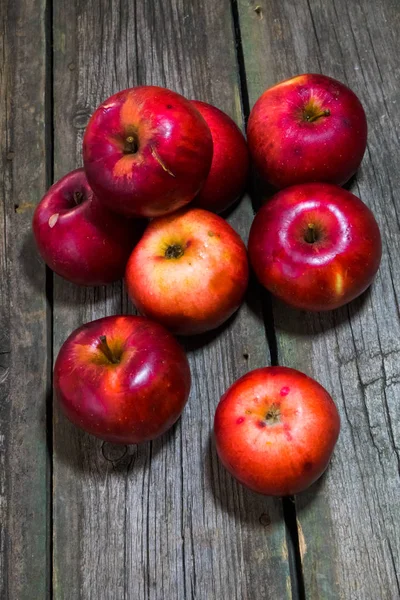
349	524
163	520
24	349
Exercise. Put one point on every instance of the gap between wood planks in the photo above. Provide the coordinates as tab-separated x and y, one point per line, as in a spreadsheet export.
49	141
289	503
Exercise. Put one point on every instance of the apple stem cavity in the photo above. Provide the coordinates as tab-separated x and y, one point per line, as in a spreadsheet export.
174	251
311	235
131	144
106	350
273	415
311	117
78	198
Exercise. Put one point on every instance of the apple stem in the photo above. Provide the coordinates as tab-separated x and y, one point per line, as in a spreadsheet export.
322	113
310	235
131	144
174	251
78	198
106	350
273	415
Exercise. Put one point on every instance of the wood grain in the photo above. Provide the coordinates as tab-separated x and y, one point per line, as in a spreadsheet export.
163	520
349	526
24	349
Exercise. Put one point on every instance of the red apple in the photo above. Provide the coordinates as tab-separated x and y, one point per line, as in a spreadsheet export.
147	151
230	164
189	271
78	237
315	246
308	128
122	378
275	430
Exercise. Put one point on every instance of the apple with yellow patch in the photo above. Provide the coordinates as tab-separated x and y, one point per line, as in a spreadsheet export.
147	151
307	128
189	272
315	245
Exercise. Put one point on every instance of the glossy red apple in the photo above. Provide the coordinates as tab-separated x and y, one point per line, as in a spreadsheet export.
189	271
230	164
78	237
275	430
147	151
124	379
315	246
308	128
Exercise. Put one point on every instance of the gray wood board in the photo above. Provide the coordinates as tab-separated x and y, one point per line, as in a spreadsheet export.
162	520
348	522
24	345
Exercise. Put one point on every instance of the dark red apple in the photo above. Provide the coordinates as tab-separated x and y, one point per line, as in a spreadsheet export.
307	128
230	164
147	151
78	237
189	271
275	430
122	378
315	246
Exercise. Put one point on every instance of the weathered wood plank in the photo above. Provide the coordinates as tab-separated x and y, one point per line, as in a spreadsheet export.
161	520
24	349
349	524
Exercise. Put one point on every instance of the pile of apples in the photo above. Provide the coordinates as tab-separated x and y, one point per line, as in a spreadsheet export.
149	153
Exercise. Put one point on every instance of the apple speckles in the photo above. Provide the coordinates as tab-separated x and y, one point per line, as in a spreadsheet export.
240	420
286	430
285	390
53	220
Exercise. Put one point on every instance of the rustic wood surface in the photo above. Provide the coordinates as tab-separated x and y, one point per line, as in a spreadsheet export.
164	520
349	522
84	520
25	349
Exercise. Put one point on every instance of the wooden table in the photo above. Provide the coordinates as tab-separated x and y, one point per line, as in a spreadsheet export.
164	521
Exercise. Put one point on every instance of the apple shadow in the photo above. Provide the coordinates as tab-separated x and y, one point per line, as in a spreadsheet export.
305	499
191	343
304	323
234	498
87	455
68	294
32	264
